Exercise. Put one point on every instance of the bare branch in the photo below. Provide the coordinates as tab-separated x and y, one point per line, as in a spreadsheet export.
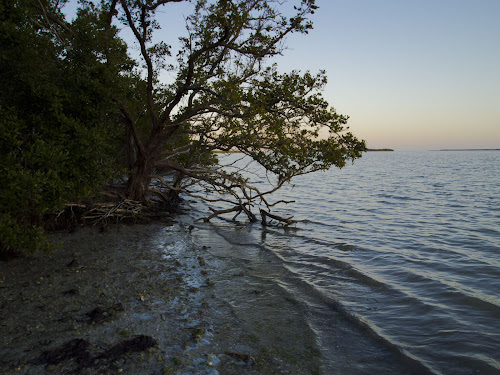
149	64
190	72
51	17
155	5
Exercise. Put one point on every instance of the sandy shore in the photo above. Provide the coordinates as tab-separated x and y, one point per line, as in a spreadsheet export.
146	299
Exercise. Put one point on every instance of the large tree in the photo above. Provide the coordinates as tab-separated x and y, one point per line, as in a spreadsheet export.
227	95
71	99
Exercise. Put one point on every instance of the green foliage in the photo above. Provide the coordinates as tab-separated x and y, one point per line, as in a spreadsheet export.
58	120
14	236
283	122
241	103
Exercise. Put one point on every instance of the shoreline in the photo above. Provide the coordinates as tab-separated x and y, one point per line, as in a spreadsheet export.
145	299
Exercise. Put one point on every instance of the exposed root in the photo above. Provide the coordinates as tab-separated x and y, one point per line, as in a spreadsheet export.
111	211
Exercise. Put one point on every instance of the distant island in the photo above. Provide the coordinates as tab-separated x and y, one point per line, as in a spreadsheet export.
379	149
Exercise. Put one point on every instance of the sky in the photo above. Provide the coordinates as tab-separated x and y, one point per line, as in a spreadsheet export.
412	75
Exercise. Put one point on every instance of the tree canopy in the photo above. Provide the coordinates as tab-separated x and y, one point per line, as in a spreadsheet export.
77	109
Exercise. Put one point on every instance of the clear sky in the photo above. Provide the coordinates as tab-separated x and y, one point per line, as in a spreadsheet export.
410	74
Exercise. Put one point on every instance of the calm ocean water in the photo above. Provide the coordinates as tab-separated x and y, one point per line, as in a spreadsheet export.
397	261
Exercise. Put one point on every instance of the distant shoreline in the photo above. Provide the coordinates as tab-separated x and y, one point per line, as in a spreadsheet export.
469	149
390	150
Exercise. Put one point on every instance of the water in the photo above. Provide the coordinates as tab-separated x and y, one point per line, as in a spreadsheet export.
397	261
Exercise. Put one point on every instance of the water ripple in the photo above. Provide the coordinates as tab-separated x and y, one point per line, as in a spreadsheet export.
405	245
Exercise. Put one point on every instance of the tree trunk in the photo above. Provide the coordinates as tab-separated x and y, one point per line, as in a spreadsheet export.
173	195
131	151
139	179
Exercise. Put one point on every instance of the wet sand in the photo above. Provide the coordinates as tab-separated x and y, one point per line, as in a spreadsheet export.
146	299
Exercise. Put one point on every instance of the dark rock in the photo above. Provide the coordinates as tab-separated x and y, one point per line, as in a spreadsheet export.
136	344
242	358
96	315
71	292
100	314
75	349
73	263
9	255
78	350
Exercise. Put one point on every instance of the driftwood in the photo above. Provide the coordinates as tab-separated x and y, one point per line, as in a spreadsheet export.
286	221
93	213
238	209
125	209
224	187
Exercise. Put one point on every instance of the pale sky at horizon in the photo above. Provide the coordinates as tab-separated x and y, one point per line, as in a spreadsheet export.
412	75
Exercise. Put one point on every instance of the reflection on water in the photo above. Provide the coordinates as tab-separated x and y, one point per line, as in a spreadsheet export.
398	259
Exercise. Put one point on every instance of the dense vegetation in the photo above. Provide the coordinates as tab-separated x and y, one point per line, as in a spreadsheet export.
77	111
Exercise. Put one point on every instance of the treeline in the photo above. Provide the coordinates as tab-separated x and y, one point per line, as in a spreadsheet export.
61	136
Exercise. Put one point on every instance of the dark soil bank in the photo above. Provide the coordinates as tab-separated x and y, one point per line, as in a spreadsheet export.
144	299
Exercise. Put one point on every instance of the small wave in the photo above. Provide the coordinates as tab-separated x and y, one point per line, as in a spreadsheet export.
412	363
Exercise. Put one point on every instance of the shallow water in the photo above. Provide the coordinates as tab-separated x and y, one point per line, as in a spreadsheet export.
397	261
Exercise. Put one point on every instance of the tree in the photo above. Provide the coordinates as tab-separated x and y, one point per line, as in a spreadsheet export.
227	96
72	100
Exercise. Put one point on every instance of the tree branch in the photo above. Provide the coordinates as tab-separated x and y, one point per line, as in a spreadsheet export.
129	120
147	59
190	73
49	16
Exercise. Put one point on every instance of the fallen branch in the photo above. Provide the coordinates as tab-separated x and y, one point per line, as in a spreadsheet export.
287	221
220	212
